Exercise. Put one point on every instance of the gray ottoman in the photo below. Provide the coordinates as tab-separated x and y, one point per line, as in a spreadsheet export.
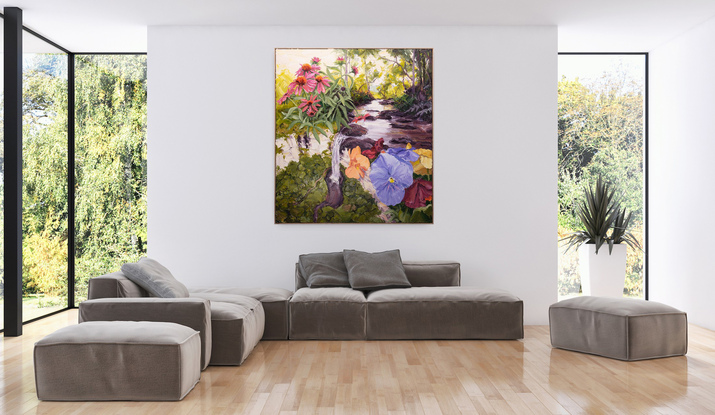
619	328
118	361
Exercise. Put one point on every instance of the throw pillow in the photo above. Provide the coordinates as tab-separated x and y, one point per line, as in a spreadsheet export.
324	270
155	278
375	271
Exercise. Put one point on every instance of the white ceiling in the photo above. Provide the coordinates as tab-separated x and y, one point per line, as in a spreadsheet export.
584	26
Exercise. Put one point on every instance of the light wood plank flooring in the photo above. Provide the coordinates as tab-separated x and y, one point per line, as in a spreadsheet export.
405	377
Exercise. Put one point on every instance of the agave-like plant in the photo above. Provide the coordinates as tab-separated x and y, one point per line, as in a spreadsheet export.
620	233
599	214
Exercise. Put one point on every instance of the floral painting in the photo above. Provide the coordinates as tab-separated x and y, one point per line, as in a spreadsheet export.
353	137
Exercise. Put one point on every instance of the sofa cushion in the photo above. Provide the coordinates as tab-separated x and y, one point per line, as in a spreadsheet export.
328	294
237	324
275	306
114	285
324	270
432	274
375	271
327	314
444	313
155	278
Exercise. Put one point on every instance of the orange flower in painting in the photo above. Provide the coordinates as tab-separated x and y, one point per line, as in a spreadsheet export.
359	164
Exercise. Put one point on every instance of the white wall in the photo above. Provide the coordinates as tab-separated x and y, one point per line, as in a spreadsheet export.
681	173
211	152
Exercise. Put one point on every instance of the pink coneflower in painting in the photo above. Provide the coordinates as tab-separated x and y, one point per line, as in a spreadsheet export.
355	70
315	60
321	83
284	97
307	70
310	105
300	84
340	60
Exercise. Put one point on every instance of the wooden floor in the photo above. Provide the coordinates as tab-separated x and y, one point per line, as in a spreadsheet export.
405	377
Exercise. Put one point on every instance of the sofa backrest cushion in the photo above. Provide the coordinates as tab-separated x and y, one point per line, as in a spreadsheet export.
419	274
324	270
114	285
433	274
155	278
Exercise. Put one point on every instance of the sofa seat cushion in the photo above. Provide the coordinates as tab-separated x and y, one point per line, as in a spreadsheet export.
327	314
439	294
336	294
237	324
444	313
619	328
275	306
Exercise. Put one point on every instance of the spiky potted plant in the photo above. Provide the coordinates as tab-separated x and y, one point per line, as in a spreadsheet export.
604	223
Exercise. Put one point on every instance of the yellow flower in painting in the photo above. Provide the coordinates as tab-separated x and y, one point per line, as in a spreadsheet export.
423	165
359	164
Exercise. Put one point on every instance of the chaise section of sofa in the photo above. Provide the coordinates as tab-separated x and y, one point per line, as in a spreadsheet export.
237	321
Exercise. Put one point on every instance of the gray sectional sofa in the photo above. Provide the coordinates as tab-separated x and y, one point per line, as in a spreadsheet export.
434	307
429	304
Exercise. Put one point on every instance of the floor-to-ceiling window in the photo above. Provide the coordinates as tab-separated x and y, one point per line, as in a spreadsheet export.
45	152
601	126
110	157
84	172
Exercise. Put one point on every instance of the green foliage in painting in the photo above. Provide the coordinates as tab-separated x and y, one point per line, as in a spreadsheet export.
361	97
300	187
315	102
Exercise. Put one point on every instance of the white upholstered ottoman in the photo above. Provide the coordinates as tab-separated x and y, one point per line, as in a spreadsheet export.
619	328
118	361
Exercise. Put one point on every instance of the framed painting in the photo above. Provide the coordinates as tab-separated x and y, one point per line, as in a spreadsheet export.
353	136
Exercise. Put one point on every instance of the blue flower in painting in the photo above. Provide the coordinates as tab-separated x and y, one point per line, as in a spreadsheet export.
390	176
405	155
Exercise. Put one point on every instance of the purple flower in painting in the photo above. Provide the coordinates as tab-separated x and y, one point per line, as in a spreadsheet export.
405	155
390	177
315	60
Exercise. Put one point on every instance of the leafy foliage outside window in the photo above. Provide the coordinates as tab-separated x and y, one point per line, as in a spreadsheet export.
600	133
111	164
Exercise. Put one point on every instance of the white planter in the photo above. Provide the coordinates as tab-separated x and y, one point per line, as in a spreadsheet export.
602	275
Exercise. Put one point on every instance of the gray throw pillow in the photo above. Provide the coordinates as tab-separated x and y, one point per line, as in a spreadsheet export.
375	271
155	278
324	270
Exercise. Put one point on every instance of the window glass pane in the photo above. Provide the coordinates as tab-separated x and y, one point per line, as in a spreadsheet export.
601	133
45	152
110	157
